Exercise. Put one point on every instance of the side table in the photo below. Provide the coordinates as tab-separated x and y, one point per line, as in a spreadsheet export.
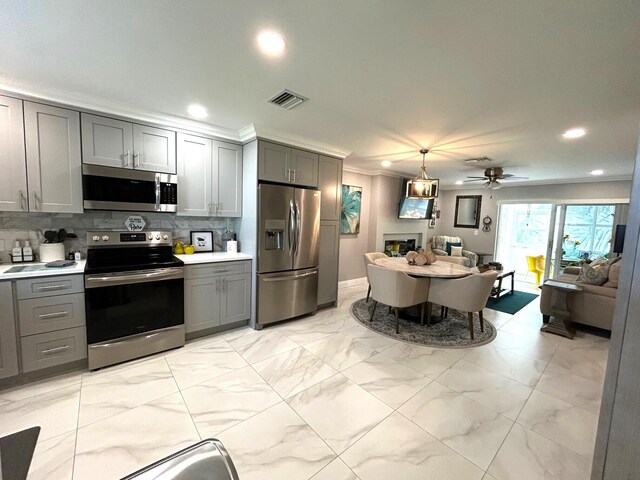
556	324
481	257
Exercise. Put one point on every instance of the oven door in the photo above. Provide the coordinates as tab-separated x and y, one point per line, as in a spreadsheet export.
123	304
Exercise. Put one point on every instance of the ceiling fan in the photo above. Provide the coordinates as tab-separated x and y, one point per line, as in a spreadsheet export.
491	177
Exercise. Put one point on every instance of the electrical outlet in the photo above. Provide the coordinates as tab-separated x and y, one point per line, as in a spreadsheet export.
475	232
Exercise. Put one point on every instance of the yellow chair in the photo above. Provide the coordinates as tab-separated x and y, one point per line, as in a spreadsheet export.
535	265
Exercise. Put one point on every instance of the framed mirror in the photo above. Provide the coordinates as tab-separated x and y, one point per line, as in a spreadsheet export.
467	211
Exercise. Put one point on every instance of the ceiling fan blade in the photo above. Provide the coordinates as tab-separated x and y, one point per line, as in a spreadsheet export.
515	178
474	180
479	178
504	175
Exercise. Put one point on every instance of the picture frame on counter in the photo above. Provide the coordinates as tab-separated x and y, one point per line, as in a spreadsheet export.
202	240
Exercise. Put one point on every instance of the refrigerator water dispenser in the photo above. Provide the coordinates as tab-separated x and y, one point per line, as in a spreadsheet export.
274	240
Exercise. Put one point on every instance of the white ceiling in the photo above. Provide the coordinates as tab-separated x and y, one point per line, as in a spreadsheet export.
497	78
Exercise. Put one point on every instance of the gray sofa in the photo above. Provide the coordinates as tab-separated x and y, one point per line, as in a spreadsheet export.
593	306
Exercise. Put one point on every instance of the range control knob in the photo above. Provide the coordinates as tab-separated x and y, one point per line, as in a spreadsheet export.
149	237
165	237
105	238
157	236
95	238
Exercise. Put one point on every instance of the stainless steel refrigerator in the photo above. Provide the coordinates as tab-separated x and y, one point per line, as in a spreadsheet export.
288	252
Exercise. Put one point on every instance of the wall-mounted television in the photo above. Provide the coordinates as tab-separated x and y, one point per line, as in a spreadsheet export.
415	208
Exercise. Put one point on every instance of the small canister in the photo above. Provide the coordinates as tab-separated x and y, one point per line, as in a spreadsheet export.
232	246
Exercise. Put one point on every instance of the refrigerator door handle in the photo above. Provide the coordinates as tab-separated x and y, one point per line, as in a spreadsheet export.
292	228
297	227
288	278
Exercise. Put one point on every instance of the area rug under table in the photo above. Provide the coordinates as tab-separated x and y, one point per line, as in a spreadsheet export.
452	332
511	303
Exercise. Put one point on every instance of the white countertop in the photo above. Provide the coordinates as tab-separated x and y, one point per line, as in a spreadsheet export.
212	257
76	269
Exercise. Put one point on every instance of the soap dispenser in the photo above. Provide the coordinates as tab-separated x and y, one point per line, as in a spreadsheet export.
27	252
16	253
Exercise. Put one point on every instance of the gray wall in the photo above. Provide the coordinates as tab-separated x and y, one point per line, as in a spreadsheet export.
615	191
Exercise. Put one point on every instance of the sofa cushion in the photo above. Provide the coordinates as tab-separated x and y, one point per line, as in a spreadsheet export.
456	251
614	276
452	244
440	241
594	274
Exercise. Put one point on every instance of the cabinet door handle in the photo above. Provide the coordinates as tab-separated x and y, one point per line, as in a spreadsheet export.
294	175
127	158
53	351
224	285
288	174
136	160
23	201
53	315
35	201
51	287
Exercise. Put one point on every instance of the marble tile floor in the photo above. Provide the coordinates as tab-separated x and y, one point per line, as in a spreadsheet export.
324	398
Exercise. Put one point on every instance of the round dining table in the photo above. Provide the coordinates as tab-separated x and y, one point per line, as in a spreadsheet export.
438	269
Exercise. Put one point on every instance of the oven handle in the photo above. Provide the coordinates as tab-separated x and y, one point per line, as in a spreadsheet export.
136	276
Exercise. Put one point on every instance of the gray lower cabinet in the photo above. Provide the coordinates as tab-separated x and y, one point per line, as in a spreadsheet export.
8	345
51	319
328	268
216	295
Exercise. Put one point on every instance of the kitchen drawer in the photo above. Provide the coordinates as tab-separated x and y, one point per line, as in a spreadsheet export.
53	348
49	286
49	314
213	269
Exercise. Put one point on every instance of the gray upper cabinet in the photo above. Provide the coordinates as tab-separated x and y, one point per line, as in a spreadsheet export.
117	143
194	175
330	183
8	345
277	163
52	137
226	191
154	149
13	181
304	168
107	142
209	177
274	162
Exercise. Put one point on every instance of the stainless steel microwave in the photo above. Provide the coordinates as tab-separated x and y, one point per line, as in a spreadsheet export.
107	188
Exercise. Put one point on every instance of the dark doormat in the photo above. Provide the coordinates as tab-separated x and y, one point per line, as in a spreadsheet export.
452	332
511	303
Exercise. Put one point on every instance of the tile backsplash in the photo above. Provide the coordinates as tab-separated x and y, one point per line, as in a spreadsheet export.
31	226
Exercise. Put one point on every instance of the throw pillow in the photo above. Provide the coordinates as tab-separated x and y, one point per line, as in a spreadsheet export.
450	244
594	274
614	275
456	251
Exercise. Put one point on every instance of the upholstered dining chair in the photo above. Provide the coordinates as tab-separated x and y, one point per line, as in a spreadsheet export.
467	294
398	290
369	259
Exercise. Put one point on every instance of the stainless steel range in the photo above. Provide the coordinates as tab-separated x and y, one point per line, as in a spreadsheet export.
134	296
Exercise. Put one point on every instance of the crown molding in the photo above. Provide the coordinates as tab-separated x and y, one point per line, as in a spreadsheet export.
253	131
101	105
373	173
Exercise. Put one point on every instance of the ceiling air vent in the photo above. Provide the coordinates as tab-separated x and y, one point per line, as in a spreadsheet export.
287	99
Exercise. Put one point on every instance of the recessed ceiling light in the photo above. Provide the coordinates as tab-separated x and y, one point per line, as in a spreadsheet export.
597	172
271	43
574	133
459	182
197	111
386	163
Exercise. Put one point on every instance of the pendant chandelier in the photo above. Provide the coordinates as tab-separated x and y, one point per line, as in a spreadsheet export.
422	186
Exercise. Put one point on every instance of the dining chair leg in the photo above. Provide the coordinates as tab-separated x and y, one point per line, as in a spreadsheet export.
422	314
471	325
446	312
481	321
368	292
389	310
441	312
373	311
397	320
